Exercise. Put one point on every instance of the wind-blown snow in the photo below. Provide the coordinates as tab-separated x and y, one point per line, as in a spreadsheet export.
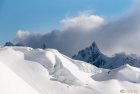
24	70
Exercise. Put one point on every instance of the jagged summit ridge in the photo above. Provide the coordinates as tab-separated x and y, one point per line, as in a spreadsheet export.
93	56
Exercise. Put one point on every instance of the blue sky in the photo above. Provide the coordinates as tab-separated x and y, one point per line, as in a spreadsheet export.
43	15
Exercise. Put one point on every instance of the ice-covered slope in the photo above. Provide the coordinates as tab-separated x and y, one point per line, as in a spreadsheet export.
36	71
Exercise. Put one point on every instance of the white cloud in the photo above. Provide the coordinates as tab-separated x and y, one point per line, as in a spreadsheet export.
85	22
22	34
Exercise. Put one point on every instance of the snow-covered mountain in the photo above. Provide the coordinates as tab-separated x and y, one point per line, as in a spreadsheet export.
24	70
93	56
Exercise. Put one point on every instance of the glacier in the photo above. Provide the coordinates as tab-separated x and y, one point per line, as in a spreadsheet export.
24	70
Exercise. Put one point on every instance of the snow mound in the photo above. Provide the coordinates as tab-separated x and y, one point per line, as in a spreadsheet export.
56	65
24	70
127	73
123	73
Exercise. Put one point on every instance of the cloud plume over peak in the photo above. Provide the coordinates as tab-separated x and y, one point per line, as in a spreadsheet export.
119	35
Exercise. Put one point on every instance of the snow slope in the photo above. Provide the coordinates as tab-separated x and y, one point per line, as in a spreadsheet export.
10	83
24	70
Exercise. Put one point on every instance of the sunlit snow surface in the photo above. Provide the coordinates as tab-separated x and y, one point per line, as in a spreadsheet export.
24	70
